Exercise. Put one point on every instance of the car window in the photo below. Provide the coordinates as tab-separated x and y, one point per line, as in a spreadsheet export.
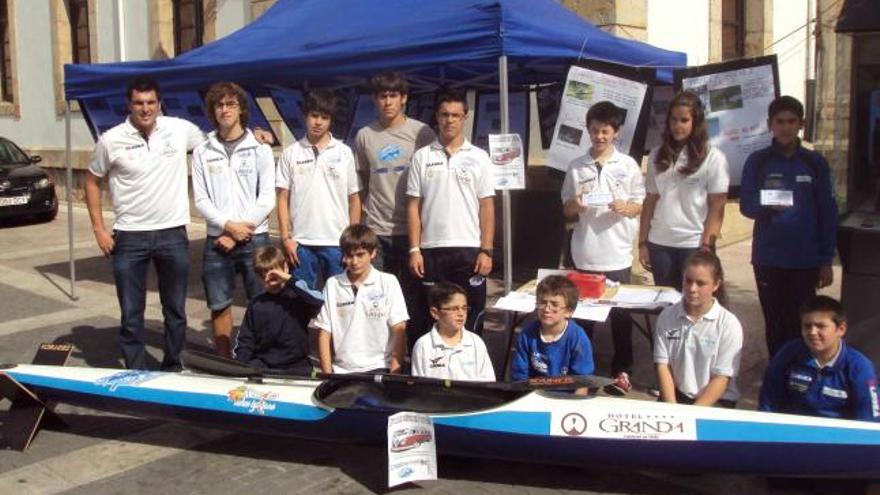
11	155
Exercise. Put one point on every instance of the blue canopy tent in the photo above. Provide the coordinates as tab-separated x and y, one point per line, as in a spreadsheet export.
338	43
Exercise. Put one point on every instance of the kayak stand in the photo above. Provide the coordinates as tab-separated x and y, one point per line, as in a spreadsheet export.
27	411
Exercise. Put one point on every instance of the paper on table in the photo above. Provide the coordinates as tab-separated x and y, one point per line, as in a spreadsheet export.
592	312
777	197
525	303
669	296
635	295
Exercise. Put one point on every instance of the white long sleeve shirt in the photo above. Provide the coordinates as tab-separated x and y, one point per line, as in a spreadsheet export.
240	187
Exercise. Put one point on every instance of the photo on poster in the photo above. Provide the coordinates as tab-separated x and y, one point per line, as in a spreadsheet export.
660	99
736	95
570	135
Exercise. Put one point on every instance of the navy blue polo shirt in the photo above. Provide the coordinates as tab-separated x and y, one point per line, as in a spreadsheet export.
794	383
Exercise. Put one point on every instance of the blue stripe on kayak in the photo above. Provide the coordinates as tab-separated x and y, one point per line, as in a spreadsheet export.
744	431
174	398
534	423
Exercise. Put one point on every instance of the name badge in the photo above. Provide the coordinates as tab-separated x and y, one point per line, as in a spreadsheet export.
597	198
804	178
777	197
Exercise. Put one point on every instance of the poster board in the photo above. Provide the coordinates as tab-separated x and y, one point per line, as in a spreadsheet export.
187	105
364	113
289	103
102	114
628	88
487	117
660	99
735	95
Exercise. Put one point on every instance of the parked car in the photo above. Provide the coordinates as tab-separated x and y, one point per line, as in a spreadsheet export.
26	190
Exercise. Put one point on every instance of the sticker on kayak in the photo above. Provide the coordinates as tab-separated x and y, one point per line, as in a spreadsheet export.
254	400
625	426
129	378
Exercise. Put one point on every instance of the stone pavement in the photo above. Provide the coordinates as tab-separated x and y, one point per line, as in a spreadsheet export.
103	453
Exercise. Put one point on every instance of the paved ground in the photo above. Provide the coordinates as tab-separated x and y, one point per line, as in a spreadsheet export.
101	453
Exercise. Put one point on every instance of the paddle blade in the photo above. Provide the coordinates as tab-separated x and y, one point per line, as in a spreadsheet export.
216	365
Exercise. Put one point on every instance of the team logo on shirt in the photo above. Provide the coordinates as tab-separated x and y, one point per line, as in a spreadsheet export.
305	162
132	147
437	362
389	152
674	334
463	175
169	150
799	382
216	159
875	404
539	363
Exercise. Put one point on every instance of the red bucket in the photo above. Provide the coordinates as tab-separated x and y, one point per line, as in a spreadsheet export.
589	285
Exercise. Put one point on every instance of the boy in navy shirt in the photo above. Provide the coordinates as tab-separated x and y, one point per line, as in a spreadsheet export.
274	331
787	190
819	375
554	345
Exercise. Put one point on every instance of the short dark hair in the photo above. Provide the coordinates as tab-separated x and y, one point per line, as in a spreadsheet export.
267	258
450	95
786	103
558	285
824	304
142	84
221	90
442	292
321	101
605	112
389	81
358	236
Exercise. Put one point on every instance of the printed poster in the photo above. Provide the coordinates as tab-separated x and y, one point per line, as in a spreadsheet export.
657	117
736	100
488	116
506	152
412	450
583	88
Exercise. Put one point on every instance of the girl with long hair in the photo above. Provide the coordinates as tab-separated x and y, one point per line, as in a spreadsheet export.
686	187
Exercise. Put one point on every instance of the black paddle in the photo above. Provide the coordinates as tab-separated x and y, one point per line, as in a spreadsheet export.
217	365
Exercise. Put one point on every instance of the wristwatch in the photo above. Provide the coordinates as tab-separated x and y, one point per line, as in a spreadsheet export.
487	251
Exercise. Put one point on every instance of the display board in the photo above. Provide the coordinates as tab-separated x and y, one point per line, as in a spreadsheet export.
628	88
187	105
102	114
289	103
487	118
736	95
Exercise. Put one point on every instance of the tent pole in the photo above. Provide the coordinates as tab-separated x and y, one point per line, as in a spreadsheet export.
69	188
505	194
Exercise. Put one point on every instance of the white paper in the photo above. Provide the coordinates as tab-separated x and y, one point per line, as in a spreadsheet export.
583	88
736	111
633	295
506	152
521	302
597	198
777	197
412	451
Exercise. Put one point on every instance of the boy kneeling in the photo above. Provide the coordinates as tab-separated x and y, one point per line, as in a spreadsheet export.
819	375
554	345
273	333
449	351
363	320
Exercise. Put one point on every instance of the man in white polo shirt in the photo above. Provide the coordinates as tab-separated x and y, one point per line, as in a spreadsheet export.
317	187
451	211
144	159
233	178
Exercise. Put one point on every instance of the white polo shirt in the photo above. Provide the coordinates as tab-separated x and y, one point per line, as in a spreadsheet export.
319	185
683	206
240	187
697	350
147	177
602	239
360	322
450	189
467	360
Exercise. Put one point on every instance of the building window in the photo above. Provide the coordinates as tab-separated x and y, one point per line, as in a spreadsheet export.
5	54
733	32
189	25
78	11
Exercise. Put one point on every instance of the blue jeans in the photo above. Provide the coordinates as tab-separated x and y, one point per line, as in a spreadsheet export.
317	264
132	253
667	264
219	269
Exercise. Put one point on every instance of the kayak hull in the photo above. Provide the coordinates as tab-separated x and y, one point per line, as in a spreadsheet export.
548	428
